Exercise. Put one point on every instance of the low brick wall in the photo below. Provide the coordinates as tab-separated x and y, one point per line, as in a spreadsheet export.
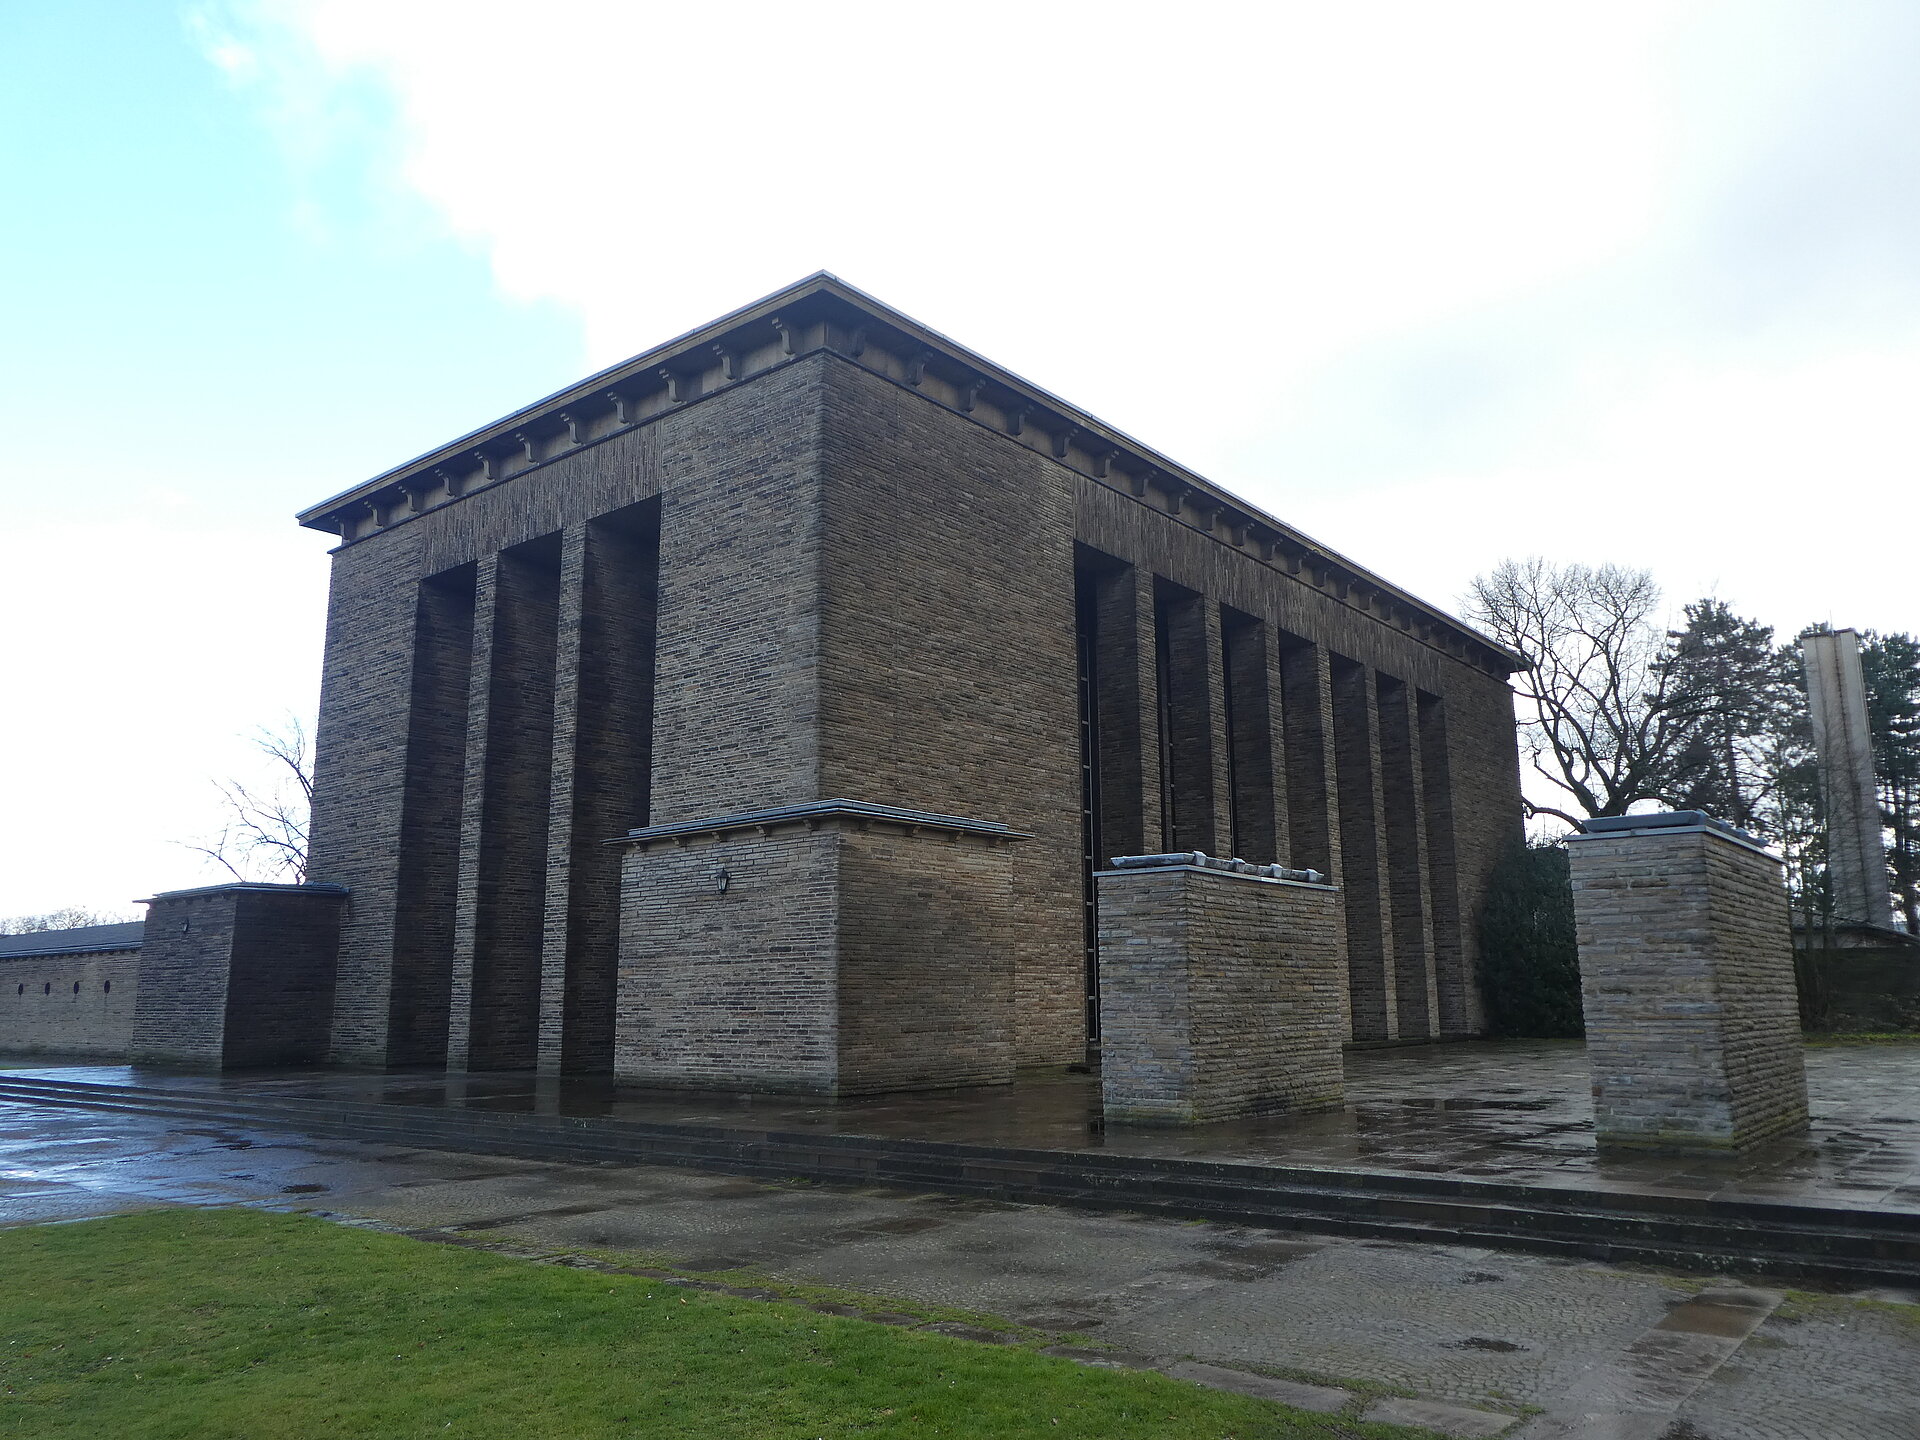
819	952
1221	994
1687	981
68	1004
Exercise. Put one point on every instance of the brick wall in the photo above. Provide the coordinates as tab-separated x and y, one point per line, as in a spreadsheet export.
68	1004
1403	807
428	872
1220	995
834	962
603	753
948	672
237	975
737	698
861	591
1687	982
1468	761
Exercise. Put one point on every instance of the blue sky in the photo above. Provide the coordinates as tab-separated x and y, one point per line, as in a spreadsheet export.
202	332
1439	285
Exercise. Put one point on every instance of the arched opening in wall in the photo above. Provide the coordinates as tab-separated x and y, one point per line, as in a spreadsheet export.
106	987
46	987
76	987
21	988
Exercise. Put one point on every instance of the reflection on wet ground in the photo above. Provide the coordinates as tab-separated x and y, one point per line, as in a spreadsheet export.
1513	1111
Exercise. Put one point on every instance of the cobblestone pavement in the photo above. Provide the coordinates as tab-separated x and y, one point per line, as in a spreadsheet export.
1631	1355
1518	1111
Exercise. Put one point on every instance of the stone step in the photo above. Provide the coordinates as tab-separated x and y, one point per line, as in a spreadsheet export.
1848	1246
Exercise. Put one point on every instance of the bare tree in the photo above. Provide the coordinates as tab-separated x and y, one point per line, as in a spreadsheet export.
1595	709
68	917
264	835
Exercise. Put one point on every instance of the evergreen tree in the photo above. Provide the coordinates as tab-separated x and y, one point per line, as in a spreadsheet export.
1890	665
1735	692
1529	960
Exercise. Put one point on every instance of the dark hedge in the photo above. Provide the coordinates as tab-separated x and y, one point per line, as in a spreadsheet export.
1529	961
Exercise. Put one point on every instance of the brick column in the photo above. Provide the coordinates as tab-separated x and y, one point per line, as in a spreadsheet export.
499	924
428	863
1363	859
1453	986
1153	817
1221	993
602	764
1686	971
237	975
1404	801
561	795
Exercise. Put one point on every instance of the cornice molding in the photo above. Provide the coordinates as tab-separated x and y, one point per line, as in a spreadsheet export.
855	814
824	314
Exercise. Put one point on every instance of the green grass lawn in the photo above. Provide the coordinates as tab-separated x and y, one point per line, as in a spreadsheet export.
212	1324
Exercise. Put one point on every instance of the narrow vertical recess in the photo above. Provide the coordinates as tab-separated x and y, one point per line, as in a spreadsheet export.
1163	718
428	872
1406	859
1086	610
1188	669
1303	709
1249	714
1122	724
613	766
510	898
1451	981
1357	770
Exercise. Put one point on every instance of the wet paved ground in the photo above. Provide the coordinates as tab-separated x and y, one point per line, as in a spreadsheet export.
1515	1111
1608	1354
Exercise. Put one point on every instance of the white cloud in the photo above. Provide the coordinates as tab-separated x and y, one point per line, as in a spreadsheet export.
1437	283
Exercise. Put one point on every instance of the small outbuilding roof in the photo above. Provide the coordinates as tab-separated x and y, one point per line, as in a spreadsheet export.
83	940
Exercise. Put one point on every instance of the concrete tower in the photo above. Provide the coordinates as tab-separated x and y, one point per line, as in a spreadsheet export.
1856	853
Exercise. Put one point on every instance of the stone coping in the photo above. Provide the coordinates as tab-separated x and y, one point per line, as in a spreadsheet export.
813	815
1670	822
248	887
1219	867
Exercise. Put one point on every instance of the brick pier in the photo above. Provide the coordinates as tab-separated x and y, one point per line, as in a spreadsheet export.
1686	965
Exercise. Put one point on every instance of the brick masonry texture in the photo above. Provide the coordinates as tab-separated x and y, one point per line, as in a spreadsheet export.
1220	995
948	670
1686	960
68	1004
236	976
838	576
835	962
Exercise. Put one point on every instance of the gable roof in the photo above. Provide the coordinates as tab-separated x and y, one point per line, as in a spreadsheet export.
82	940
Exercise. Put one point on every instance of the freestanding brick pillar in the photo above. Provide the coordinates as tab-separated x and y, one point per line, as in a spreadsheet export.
1686	973
833	948
1223	990
237	975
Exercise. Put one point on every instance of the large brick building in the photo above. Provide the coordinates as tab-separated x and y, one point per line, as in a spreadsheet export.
878	648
